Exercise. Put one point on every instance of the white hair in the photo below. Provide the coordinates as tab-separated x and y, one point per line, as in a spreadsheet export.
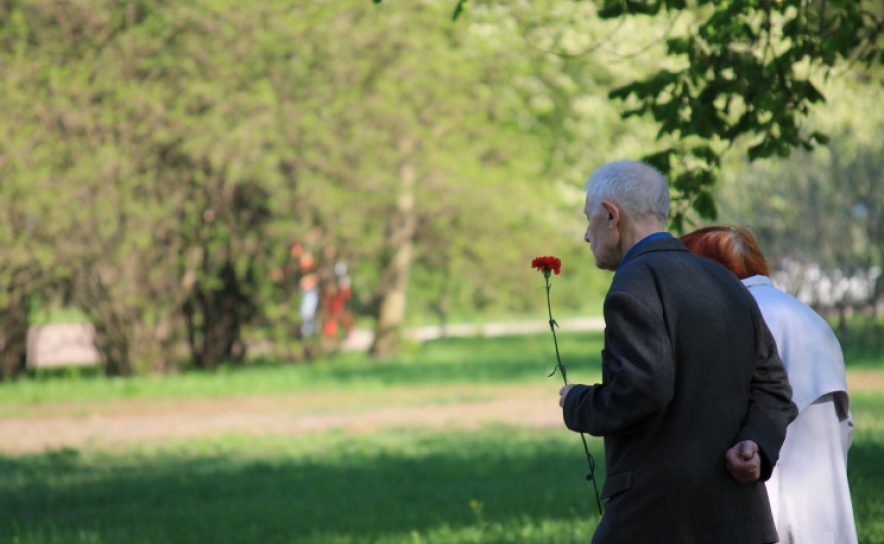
637	187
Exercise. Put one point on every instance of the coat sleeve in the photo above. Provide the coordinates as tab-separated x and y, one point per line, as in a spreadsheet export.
770	400
639	377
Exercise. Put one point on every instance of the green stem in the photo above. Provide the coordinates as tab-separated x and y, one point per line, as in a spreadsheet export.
590	476
552	328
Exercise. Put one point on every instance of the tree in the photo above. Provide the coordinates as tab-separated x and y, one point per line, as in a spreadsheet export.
826	246
125	185
165	156
32	163
739	72
750	73
419	170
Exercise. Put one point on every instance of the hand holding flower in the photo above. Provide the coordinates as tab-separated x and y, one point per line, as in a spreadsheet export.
549	265
563	392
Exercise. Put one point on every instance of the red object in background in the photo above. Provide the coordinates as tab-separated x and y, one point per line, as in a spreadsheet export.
330	328
336	305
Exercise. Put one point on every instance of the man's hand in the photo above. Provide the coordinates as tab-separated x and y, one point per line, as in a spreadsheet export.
564	393
743	462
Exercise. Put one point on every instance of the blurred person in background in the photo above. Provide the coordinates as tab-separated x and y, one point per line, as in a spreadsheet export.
336	294
808	489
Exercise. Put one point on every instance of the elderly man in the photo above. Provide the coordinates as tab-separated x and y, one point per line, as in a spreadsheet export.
694	400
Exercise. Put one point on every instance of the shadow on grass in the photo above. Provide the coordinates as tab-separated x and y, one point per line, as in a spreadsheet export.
340	490
331	488
865	472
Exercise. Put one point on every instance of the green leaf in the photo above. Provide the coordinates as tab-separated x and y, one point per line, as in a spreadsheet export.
458	9
759	151
678	46
820	138
623	92
704	205
706	153
676	223
612	9
660	160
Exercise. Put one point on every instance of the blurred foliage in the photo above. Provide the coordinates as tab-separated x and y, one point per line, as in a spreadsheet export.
160	161
820	217
730	72
748	72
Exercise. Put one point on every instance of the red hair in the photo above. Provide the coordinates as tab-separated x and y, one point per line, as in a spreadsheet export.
734	247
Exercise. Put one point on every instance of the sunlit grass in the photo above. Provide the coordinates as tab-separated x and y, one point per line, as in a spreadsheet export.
493	484
517	359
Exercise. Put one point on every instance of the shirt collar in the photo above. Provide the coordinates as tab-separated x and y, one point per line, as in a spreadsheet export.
756	281
634	249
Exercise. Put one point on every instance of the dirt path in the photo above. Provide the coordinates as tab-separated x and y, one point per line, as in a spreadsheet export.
113	424
117	423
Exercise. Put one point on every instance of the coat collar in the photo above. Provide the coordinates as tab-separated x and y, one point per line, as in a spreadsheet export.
659	241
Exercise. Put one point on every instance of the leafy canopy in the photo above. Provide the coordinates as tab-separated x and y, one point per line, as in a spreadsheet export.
745	70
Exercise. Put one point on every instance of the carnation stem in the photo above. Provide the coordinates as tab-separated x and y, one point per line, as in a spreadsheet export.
552	327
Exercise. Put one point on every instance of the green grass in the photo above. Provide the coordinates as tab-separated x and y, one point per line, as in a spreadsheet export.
455	360
865	469
859	357
498	484
43	315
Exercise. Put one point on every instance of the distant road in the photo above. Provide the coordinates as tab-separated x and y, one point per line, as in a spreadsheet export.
63	344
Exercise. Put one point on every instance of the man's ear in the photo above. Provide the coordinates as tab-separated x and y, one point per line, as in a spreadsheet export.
613	213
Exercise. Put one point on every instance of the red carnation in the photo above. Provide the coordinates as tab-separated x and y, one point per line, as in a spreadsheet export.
554	264
547	264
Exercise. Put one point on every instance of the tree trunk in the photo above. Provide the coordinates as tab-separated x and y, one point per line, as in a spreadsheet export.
112	317
112	328
13	335
214	322
393	286
113	343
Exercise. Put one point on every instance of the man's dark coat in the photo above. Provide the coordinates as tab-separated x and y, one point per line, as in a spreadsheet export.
689	369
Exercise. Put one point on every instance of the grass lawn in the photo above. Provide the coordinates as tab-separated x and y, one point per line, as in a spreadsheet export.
496	482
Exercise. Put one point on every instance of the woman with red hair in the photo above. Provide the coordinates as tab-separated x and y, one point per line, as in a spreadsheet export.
808	490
